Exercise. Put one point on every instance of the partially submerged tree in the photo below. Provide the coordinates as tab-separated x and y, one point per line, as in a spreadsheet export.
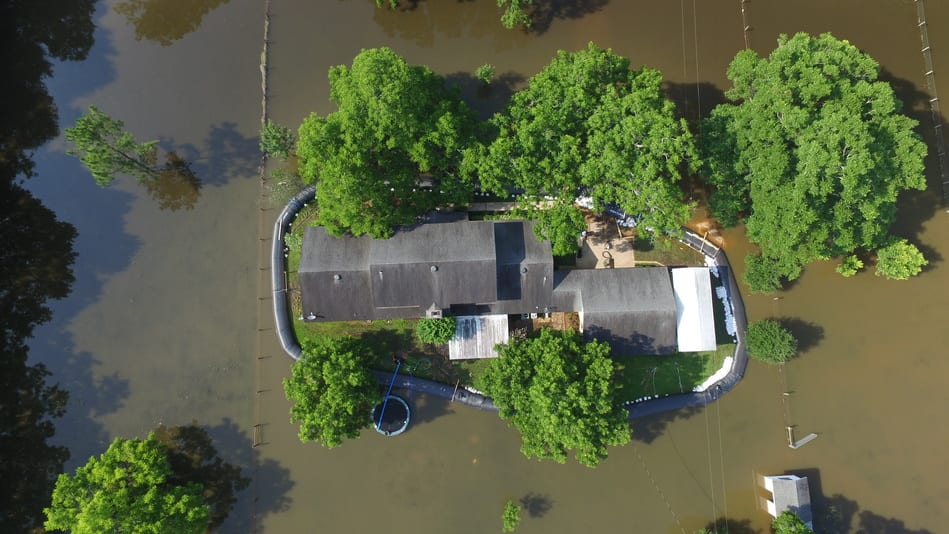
560	394
332	390
511	516
129	488
770	342
588	124
788	522
106	149
899	260
276	141
812	153
391	152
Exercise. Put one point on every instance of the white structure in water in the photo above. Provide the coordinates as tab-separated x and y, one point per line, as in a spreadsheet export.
788	492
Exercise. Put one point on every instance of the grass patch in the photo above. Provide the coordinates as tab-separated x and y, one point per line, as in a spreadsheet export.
667	251
641	376
385	338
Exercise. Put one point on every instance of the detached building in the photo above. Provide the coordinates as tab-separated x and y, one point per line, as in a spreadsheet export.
788	492
481	272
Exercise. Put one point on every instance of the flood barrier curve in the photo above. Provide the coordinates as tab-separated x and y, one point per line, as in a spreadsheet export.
715	257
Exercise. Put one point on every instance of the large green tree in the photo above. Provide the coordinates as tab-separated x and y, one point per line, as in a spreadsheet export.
332	390
788	522
106	148
812	153
588	124
128	489
391	151
560	394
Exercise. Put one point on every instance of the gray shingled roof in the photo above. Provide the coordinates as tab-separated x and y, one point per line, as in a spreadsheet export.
631	309
480	268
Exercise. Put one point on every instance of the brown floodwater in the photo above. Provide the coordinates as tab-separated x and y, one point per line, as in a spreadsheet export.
163	322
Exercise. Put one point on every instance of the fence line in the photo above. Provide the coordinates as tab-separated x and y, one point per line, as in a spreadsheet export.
930	75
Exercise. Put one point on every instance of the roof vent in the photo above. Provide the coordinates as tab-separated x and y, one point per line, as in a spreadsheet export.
337	277
523	270
434	268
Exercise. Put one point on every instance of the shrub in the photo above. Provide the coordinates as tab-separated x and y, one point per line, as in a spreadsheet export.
276	140
511	516
436	330
850	266
485	73
900	260
770	342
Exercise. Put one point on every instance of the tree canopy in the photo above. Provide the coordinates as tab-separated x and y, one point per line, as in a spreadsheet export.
788	522
812	153
391	151
333	391
770	342
588	124
560	395
129	488
899	260
106	149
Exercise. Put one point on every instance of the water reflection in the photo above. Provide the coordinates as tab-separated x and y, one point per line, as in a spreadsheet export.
31	34
544	13
424	22
174	186
165	21
35	266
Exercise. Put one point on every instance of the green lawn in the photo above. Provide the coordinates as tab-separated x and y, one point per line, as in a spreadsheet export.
642	376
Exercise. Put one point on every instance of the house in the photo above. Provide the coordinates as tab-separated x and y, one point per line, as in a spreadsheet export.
788	492
485	271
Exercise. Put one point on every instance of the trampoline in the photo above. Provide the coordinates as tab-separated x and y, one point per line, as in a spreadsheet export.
391	416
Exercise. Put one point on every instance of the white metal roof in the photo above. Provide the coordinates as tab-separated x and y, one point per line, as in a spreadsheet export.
695	320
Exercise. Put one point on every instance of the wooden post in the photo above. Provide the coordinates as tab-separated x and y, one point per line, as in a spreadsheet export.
454	391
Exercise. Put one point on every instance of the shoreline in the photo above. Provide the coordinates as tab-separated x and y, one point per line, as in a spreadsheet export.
714	256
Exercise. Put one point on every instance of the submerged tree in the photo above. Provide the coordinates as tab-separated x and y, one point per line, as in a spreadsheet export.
392	150
812	154
106	149
770	342
560	394
129	488
332	390
587	124
899	260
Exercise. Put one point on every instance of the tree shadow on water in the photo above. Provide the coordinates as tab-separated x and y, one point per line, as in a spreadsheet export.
837	514
536	504
425	408
269	483
808	335
915	208
647	428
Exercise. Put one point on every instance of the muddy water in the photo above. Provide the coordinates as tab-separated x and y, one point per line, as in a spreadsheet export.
162	322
